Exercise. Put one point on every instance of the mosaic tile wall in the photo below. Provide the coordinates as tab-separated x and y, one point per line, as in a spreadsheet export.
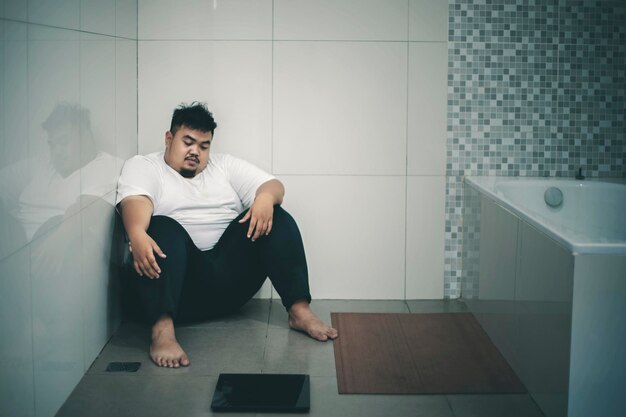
535	88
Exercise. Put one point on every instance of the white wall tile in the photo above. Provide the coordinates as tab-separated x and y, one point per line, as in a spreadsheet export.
99	300
428	20
97	97
340	108
340	20
57	318
15	9
425	237
205	19
265	291
234	78
125	101
15	173
428	69
53	77
16	345
126	18
98	16
353	231
59	13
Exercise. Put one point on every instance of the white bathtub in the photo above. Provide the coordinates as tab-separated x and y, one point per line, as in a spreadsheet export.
548	286
591	219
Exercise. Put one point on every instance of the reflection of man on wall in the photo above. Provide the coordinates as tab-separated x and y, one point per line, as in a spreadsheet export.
38	197
37	193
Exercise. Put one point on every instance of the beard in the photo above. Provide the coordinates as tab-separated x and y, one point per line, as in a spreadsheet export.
188	173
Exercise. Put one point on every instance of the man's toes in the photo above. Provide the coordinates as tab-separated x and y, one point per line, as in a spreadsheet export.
321	337
184	361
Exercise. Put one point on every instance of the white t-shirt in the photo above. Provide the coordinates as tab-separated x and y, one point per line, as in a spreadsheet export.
205	204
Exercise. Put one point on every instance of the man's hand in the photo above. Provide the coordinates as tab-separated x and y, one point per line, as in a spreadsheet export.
261	215
143	248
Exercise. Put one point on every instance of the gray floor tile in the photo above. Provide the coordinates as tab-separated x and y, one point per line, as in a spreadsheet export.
211	350
136	396
436	306
510	405
289	351
255	313
326	402
323	308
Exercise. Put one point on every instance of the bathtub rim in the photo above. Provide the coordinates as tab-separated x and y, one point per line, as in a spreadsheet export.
486	186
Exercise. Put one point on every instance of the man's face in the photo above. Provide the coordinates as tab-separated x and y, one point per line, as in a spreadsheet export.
187	152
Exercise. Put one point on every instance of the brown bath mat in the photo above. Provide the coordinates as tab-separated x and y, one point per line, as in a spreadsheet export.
439	353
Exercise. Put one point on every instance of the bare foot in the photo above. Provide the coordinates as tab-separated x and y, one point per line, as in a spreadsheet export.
165	350
302	318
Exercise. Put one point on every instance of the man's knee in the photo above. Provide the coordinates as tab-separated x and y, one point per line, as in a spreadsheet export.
281	216
160	225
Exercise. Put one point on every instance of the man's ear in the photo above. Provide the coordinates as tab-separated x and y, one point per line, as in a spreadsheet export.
168	138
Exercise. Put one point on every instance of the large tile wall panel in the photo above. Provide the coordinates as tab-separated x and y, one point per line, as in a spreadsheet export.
99	287
233	78
425	221
341	20
340	108
54	96
59	13
428	20
353	231
428	68
14	9
17	392
125	101
126	19
57	319
98	16
53	77
201	19
97	98
14	150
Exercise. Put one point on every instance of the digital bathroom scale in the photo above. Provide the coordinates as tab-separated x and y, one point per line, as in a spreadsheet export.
289	393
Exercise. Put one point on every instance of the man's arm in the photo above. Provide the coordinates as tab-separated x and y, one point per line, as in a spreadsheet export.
136	214
273	189
261	212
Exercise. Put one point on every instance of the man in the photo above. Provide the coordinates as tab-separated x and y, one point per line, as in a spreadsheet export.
205	232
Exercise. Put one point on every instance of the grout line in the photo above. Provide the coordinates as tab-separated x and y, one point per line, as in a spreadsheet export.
406	154
267	332
64	28
273	40
449	404
272	105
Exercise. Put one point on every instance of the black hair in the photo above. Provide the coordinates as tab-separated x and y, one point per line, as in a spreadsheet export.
193	116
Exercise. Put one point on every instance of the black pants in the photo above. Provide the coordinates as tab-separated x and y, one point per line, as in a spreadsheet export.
196	285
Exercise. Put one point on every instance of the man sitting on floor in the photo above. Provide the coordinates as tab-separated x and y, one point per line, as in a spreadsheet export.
205	232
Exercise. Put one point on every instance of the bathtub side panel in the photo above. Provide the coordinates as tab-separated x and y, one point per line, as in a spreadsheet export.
543	294
598	366
498	247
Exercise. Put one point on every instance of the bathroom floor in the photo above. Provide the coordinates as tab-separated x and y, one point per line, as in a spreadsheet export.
258	340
